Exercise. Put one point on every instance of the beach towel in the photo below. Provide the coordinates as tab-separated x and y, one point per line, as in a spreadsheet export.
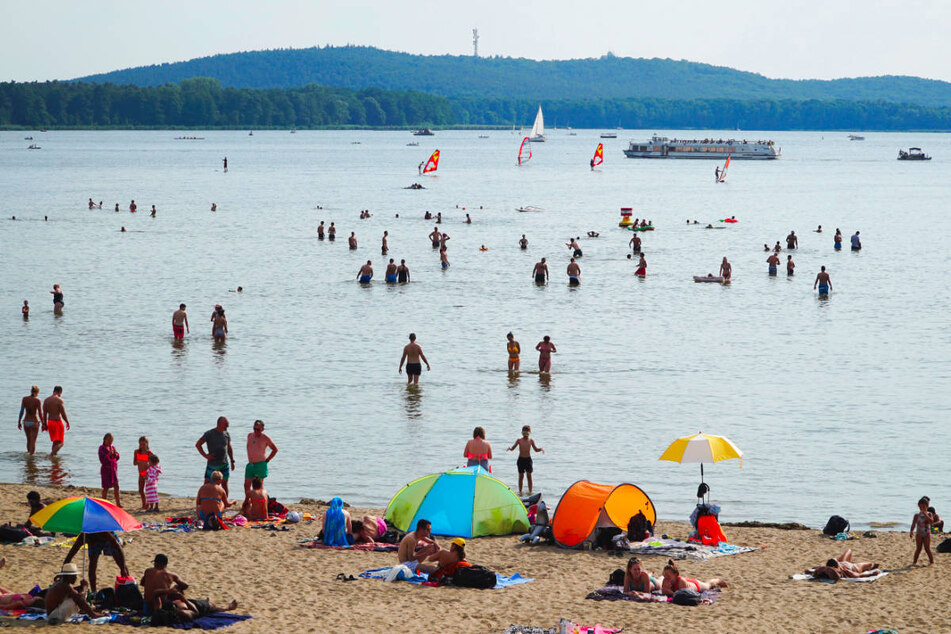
674	549
374	548
502	580
614	593
564	625
805	577
214	621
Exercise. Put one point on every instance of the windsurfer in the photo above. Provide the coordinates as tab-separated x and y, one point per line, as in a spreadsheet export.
716	173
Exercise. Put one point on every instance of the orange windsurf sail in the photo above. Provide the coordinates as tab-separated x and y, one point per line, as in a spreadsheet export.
432	163
598	156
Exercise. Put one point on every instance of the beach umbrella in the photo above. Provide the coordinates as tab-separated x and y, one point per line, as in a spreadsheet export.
81	514
702	448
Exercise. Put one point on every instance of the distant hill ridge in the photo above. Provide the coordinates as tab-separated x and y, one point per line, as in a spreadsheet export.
608	77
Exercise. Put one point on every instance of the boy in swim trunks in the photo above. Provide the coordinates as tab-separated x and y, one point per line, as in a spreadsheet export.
54	416
524	462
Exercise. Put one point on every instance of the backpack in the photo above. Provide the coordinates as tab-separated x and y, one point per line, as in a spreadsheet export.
604	537
836	524
13	533
276	508
474	576
686	596
944	547
129	596
616	578
105	598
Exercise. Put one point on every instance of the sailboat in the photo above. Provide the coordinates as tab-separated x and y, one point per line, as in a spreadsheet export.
598	157
525	151
538	129
726	166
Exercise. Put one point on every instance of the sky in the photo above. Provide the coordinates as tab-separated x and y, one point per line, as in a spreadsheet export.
797	39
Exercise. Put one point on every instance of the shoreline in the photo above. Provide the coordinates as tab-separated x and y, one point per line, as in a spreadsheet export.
257	568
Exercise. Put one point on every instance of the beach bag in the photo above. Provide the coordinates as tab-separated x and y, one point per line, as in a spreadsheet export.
276	508
616	578
474	577
105	598
13	533
128	595
686	596
944	547
836	524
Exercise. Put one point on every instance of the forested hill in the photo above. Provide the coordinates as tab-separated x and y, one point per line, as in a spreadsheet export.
608	77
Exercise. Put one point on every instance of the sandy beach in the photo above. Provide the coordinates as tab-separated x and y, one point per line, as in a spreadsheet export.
292	588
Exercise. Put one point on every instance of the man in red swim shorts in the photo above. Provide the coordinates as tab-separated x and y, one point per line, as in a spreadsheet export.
180	322
54	415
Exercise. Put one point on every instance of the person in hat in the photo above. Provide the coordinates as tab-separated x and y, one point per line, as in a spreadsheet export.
64	599
449	561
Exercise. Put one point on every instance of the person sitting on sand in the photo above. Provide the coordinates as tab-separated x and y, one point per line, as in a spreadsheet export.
449	561
416	547
637	581
844	567
255	505
164	590
673	581
33	499
937	524
338	530
63	599
211	501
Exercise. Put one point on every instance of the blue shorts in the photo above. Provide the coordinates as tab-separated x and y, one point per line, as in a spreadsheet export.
445	265
223	468
838	246
772	270
823	289
364	279
391	278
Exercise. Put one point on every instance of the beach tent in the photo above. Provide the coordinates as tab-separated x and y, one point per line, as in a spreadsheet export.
465	502
586	506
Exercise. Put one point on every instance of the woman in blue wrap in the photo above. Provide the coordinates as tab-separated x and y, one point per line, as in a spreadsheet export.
337	531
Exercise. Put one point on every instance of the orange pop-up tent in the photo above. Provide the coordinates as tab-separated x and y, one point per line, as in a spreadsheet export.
585	506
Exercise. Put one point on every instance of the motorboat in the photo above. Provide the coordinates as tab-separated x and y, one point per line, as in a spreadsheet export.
423	132
913	154
529	208
609	135
856	137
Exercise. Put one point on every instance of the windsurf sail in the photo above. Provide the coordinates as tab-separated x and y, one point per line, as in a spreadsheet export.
525	150
598	156
723	171
432	163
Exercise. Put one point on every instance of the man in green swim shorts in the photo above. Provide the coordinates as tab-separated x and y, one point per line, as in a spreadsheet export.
258	445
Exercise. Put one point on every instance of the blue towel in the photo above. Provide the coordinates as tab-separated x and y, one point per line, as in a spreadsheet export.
213	621
501	580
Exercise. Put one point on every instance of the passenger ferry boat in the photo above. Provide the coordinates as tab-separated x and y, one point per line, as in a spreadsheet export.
662	147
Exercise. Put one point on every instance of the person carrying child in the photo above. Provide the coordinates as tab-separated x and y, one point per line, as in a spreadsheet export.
109	459
921	530
525	445
151	482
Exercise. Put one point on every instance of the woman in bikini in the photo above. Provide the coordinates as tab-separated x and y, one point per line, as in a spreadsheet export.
368	530
673	581
514	351
255	506
478	451
637	581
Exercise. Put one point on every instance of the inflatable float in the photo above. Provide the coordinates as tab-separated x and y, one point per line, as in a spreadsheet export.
626	217
729	220
708	278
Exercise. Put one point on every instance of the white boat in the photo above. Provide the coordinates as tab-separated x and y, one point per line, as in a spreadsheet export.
537	134
529	208
608	135
717	149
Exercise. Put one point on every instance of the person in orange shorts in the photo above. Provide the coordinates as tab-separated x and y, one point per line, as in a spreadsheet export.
54	416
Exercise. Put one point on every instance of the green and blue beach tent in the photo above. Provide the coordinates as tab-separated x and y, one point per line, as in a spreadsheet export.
464	502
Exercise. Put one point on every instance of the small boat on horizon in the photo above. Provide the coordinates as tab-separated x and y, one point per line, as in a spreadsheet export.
913	154
856	137
423	132
608	135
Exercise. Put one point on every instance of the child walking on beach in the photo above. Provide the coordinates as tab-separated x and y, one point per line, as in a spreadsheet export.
140	459
151	482
109	459
524	462
921	530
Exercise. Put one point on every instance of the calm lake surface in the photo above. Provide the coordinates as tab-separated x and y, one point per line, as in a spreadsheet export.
840	406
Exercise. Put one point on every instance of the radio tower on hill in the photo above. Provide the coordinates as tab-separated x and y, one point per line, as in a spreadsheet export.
475	42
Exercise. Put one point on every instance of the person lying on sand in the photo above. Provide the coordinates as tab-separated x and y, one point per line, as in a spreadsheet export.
417	547
673	581
368	530
10	600
165	590
638	582
844	567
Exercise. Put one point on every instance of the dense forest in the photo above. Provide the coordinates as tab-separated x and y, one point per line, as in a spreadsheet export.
608	77
203	103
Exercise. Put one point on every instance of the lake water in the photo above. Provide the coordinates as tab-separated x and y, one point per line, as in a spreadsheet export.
840	405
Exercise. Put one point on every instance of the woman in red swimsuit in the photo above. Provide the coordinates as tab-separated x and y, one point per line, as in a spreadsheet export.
673	581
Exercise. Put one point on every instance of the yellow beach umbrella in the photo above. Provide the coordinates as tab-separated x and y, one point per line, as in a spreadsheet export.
702	448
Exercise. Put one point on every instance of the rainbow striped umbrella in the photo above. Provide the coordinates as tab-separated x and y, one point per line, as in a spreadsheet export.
83	514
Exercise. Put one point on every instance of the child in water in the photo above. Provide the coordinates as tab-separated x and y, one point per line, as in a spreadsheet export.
524	462
921	530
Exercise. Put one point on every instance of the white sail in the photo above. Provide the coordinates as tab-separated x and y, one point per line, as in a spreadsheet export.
538	129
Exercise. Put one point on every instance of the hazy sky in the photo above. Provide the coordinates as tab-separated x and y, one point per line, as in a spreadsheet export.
62	39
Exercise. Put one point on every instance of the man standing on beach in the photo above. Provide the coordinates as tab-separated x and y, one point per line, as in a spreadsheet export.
219	453
258	457
416	547
412	353
180	322
540	272
54	416
31	413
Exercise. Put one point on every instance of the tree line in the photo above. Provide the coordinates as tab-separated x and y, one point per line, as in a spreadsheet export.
204	103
